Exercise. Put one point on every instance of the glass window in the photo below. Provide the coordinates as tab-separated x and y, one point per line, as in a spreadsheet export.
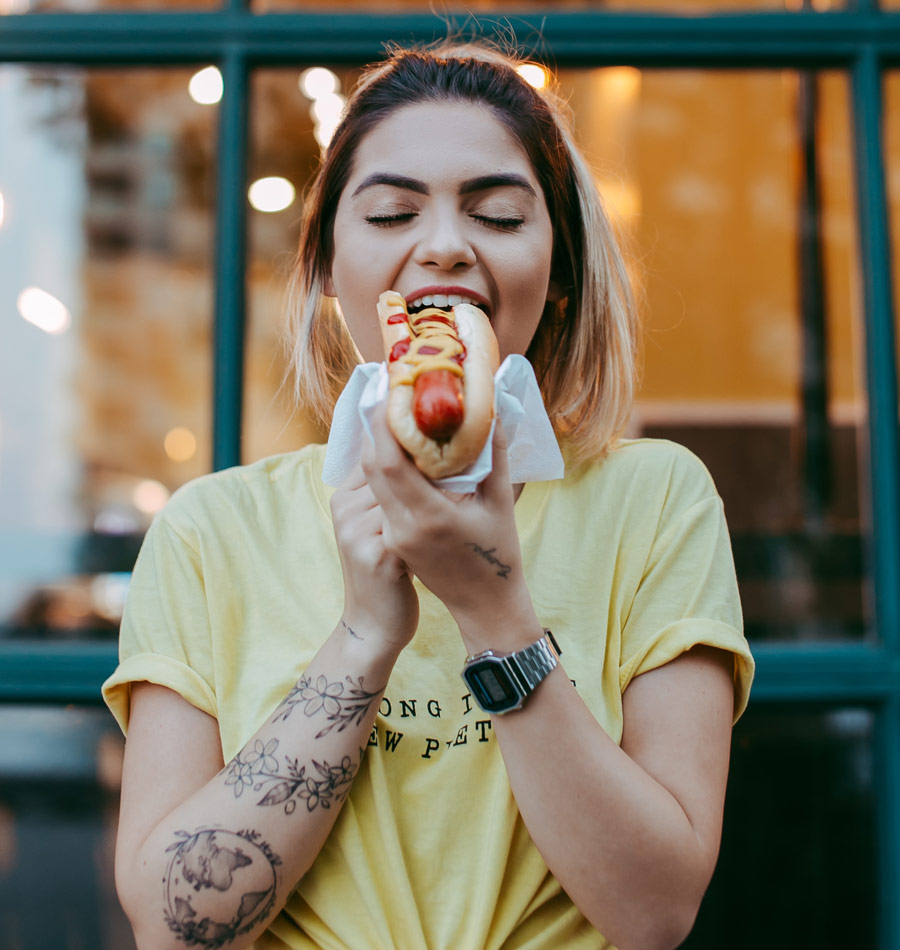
60	772
733	195
798	861
735	191
105	295
285	149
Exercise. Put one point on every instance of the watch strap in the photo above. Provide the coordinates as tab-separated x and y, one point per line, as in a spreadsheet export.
532	664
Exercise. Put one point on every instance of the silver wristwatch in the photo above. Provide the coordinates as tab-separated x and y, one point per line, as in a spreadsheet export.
502	683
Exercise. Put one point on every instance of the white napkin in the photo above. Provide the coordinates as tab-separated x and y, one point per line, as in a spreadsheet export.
534	454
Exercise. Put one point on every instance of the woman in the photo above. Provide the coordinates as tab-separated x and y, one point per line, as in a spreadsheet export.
304	766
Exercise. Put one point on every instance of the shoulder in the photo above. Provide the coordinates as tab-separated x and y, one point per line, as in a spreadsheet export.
259	490
652	468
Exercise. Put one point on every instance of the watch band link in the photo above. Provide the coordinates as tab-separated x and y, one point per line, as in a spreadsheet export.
531	664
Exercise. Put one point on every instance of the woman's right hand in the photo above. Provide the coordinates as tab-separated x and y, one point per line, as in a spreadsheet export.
380	603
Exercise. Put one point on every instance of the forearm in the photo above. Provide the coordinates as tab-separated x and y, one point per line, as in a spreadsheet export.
229	856
618	841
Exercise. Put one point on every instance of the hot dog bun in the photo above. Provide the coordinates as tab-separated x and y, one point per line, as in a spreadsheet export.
475	367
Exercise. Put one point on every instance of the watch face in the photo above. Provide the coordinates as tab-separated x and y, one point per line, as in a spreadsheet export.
491	686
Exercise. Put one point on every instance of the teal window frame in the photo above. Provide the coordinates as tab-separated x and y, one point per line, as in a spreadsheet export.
863	41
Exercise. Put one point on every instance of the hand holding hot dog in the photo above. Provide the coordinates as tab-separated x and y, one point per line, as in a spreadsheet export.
380	602
464	548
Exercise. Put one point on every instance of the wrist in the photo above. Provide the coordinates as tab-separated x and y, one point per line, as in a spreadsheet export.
362	643
503	628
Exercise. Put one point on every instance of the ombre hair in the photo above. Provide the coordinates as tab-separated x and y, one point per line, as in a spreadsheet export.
583	351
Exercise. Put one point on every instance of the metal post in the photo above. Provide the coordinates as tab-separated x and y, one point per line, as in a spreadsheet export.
230	295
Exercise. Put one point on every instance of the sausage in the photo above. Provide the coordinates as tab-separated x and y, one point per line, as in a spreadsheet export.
441	367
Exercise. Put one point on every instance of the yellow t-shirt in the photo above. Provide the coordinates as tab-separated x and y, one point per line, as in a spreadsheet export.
238	584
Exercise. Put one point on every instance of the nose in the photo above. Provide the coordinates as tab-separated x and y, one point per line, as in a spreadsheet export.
444	243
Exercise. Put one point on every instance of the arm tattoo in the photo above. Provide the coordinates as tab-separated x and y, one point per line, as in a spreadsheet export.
321	784
350	630
208	864
344	703
488	555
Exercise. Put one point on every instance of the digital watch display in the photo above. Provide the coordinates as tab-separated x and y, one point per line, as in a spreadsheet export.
501	683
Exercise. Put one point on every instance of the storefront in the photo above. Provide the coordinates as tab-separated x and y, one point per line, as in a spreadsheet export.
152	161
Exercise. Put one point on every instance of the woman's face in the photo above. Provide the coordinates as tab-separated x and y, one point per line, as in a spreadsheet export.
442	202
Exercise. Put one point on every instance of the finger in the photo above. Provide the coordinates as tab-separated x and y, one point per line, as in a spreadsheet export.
353	495
497	484
354	479
392	474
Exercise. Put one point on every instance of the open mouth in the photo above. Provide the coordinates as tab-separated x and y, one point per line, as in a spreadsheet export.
443	302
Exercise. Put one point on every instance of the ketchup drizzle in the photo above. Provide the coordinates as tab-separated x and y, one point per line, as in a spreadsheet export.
400	348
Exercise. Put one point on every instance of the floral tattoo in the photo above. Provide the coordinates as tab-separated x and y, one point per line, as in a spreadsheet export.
344	703
320	785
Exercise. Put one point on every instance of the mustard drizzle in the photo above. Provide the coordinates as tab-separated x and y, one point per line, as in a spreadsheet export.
425	331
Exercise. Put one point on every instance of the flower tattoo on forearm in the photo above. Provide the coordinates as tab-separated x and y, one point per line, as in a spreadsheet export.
322	784
344	703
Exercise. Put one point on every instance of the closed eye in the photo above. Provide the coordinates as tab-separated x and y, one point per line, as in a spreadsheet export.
389	220
500	223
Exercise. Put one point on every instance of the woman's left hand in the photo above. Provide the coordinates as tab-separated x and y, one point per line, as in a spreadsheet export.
464	548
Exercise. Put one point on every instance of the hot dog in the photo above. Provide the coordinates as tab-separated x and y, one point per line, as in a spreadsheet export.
441	366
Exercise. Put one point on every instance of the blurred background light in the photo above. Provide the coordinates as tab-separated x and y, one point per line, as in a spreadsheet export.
317	82
44	310
622	83
180	444
321	85
108	593
534	74
328	108
324	131
150	496
206	86
271	194
2	206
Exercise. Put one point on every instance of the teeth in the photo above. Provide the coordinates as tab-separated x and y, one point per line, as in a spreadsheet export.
440	300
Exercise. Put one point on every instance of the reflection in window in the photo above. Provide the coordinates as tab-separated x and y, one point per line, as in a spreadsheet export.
105	241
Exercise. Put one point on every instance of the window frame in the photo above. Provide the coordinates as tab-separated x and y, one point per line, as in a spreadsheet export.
863	41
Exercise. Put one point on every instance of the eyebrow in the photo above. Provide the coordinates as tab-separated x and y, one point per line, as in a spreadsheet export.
482	183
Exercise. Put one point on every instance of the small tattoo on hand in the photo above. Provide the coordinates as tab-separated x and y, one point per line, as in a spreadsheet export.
488	555
350	630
